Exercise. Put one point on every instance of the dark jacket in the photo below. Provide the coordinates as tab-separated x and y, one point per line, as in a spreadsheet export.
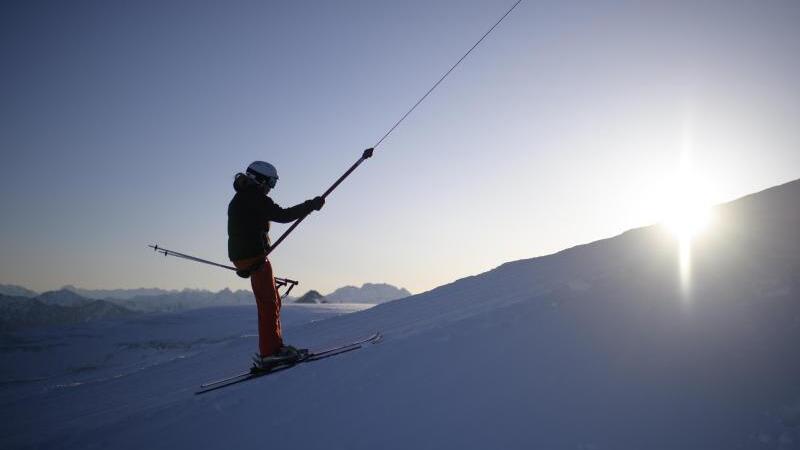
249	215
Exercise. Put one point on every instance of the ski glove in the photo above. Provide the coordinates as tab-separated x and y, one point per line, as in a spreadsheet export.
316	203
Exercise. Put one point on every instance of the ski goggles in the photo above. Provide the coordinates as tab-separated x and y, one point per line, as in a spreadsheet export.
269	181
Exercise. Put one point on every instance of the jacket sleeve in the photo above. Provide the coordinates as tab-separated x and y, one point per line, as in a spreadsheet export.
274	213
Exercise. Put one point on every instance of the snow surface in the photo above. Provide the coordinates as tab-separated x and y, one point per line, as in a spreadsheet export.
58	384
602	346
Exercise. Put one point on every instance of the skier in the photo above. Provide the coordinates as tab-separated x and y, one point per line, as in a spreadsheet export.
249	214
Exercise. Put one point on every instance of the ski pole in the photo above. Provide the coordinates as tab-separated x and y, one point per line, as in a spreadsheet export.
167	252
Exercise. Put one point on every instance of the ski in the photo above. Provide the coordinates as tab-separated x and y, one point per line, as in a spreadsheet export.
313	355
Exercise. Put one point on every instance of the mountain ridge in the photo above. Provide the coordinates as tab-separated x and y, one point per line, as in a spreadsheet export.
368	293
22	312
13	290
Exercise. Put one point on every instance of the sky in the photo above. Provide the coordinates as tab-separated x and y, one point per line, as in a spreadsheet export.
122	124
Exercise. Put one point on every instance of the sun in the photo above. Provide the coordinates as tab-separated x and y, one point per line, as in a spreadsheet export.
688	212
688	207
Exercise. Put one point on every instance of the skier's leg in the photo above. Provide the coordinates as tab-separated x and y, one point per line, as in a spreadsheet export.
268	301
279	304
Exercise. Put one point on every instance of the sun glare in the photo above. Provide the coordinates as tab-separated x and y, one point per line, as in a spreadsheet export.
689	214
687	211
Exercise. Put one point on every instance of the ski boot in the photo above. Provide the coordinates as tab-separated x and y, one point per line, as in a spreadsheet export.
285	355
292	353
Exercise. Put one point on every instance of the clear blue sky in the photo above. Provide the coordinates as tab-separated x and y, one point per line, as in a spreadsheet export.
123	123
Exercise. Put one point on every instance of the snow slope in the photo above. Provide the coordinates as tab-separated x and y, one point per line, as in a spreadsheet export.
600	346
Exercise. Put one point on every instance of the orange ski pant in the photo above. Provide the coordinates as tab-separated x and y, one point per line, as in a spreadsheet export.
268	303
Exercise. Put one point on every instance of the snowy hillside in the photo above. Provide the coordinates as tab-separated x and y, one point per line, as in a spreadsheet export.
601	346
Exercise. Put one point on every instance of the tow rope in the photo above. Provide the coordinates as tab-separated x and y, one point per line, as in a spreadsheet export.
368	152
364	156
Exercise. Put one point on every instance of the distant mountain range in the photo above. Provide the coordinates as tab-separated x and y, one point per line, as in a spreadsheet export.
21	307
16	291
117	294
65	306
367	293
55	308
311	296
95	294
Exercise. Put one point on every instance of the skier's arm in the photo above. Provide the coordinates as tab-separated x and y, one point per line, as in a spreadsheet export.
285	215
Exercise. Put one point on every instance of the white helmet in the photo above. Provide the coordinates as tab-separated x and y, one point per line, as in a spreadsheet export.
263	172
